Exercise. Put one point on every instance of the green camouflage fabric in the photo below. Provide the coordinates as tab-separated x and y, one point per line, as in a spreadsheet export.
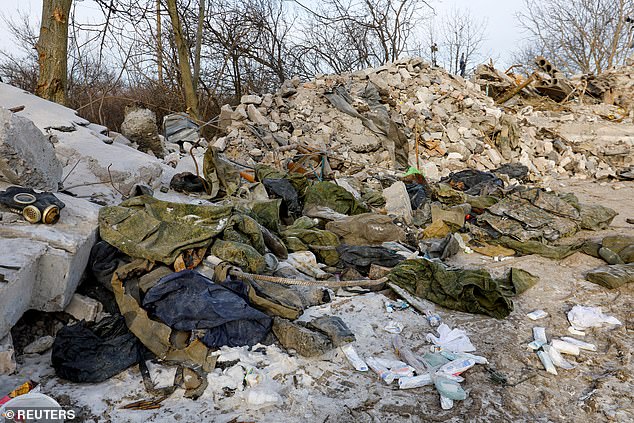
144	227
242	255
472	291
244	229
303	236
328	194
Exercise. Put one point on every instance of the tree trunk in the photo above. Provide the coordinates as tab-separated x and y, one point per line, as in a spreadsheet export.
159	43
199	41
52	50
191	100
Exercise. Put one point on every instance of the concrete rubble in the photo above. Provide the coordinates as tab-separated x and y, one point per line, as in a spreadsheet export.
456	124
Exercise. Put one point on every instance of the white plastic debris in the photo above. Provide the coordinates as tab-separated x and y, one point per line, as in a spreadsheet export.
457	367
446	403
398	368
415	382
547	362
581	344
539	334
581	317
454	340
556	358
576	332
354	359
535	345
537	314
565	347
383	372
394	327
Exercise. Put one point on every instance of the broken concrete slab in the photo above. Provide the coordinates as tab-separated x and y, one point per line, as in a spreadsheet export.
397	202
20	265
91	167
84	308
27	157
43	264
40	345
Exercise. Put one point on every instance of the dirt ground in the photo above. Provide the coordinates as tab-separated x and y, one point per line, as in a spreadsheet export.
328	389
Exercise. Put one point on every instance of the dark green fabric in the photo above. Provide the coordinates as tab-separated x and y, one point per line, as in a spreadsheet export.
596	217
144	227
528	221
220	174
447	195
623	245
241	228
327	194
555	252
242	255
373	198
472	291
303	235
610	256
612	276
482	201
267	213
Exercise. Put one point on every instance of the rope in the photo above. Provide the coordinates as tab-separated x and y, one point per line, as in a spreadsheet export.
286	281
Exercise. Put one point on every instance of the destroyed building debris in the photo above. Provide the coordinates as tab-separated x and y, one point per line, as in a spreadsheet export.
329	229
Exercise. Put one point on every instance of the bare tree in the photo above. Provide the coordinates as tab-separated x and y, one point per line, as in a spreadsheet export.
52	49
189	91
461	37
344	35
588	36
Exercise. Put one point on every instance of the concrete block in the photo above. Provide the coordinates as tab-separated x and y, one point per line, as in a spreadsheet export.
251	99
27	157
19	264
81	149
397	201
255	116
84	308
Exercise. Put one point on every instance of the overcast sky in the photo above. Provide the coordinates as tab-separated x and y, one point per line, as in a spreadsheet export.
502	39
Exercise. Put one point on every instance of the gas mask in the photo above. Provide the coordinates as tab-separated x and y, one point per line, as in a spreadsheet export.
34	207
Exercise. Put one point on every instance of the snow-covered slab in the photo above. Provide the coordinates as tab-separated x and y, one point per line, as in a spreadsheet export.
94	166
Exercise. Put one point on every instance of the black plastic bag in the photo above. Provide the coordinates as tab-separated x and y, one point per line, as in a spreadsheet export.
104	260
283	188
417	195
189	301
87	353
473	182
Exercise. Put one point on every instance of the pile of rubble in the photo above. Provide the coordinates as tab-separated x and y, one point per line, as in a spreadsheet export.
406	113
